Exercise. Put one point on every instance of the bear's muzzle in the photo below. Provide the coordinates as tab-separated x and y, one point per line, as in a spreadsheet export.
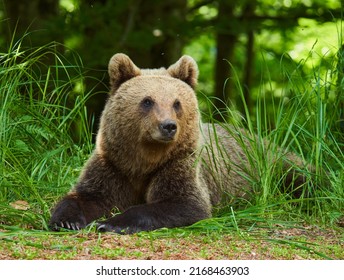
168	129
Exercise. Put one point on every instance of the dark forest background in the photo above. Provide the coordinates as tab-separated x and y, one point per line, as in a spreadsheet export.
253	43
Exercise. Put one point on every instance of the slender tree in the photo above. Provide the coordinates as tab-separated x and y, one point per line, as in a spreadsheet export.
226	38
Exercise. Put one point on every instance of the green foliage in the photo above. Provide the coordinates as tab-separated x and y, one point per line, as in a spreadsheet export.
304	120
40	111
156	33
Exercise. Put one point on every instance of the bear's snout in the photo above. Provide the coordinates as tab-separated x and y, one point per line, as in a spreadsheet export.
168	129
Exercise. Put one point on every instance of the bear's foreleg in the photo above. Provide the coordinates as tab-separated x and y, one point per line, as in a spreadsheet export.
175	198
170	213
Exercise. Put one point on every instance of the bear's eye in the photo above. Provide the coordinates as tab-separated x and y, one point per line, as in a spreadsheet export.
177	105
147	103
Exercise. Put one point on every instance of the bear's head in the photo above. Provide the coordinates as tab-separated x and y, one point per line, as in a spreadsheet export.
151	114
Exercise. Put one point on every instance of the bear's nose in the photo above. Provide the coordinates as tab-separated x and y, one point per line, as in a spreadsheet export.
168	128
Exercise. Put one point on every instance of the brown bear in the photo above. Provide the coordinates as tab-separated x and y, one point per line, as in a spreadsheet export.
154	161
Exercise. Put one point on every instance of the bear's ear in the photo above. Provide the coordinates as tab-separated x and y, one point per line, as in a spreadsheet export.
121	69
186	70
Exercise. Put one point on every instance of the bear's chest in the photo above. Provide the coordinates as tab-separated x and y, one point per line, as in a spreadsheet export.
140	187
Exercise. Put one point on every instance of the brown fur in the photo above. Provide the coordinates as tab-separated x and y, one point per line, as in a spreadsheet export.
147	162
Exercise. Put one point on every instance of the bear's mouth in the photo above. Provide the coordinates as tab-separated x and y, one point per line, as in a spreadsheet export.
157	143
163	138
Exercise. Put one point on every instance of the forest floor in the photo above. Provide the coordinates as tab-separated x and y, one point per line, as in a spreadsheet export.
280	243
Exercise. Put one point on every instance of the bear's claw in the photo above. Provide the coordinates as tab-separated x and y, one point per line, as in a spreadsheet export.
105	227
66	225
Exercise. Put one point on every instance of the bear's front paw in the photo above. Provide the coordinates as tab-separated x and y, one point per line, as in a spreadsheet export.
67	215
129	222
108	227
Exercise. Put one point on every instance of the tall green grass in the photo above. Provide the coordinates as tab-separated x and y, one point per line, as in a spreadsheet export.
42	111
304	121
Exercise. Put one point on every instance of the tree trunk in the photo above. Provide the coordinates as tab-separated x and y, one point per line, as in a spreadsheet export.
247	81
249	63
340	89
225	42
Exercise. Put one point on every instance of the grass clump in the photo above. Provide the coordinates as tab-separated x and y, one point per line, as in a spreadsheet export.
41	107
305	120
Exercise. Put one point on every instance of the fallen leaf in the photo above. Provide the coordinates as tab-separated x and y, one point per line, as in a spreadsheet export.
20	205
